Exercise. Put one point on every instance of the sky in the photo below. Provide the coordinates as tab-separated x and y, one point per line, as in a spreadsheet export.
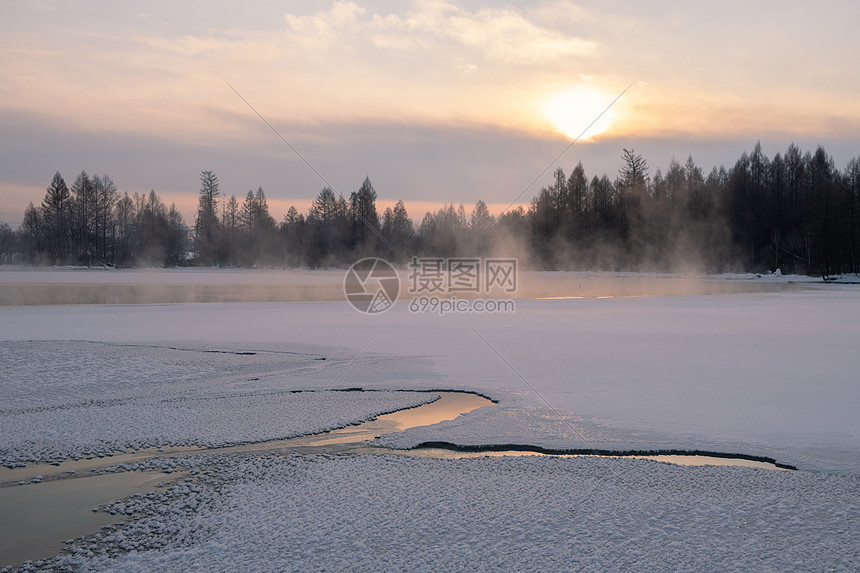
436	102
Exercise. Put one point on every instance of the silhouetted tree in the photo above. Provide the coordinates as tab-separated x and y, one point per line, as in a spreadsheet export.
206	232
329	226
105	196
259	228
796	212
398	232
230	231
365	220
125	242
293	234
852	209
7	243
576	204
57	214
33	234
84	218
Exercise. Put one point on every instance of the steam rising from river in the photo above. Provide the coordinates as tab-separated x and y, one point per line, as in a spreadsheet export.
154	286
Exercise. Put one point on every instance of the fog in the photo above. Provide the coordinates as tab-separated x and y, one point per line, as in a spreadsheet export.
164	286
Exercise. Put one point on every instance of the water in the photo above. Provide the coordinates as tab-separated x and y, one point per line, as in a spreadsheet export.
35	519
355	439
681	460
190	285
38	518
447	407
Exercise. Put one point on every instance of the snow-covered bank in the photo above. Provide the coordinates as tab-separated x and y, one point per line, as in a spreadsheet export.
501	514
76	399
558	432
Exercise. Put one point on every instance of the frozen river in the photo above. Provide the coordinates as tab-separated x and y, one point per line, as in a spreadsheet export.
765	369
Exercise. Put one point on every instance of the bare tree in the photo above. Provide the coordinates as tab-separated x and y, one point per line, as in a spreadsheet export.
207	227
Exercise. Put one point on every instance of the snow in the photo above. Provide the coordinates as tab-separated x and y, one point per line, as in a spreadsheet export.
348	513
769	371
96	398
772	374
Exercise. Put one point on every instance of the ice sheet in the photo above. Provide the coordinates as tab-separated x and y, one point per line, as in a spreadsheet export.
775	373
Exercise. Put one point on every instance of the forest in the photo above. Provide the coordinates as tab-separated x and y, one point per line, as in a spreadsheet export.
795	211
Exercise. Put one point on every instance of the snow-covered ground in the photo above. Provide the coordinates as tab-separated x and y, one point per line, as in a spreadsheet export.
380	513
75	399
771	373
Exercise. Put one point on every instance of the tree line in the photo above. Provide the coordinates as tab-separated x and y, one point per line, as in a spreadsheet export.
91	223
795	211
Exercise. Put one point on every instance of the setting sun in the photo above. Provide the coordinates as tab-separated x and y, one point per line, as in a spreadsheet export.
572	111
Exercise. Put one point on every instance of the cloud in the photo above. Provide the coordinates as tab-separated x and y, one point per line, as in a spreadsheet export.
321	30
459	66
508	36
426	62
467	68
502	35
187	45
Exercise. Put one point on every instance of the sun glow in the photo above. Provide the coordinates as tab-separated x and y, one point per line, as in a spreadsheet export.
580	112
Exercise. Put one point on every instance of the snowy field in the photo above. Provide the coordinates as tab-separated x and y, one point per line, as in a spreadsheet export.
773	372
94	399
380	513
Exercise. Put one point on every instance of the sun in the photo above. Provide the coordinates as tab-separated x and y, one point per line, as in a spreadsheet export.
581	112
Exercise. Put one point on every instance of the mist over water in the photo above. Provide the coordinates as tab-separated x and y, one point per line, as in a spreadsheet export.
46	287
